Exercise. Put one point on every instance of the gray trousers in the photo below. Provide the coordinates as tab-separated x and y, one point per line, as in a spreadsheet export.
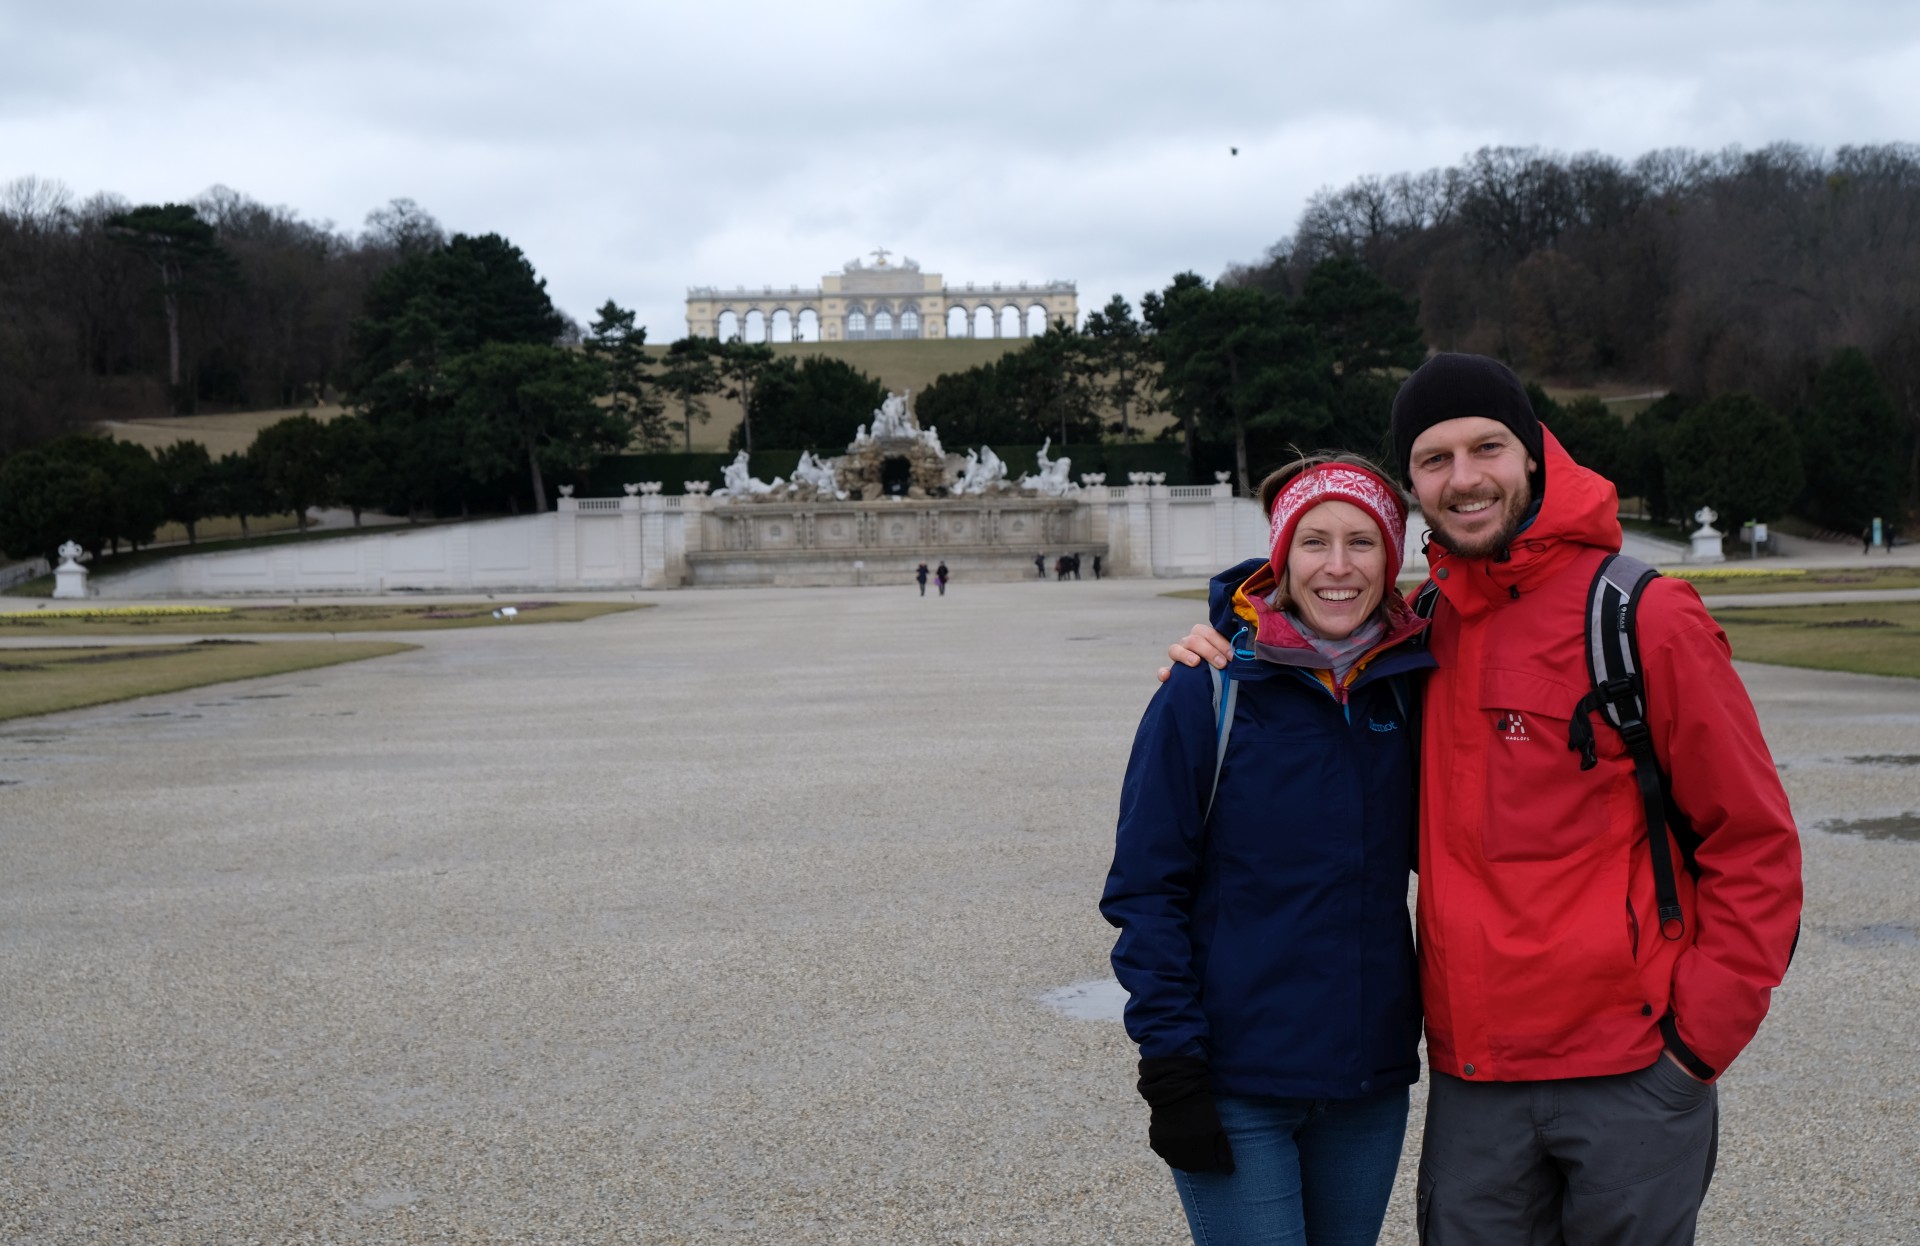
1585	1161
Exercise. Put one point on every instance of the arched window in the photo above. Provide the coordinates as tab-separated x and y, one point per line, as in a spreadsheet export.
781	330
856	325
883	324
983	322
755	328
1009	322
1036	320
807	326
728	327
909	322
958	324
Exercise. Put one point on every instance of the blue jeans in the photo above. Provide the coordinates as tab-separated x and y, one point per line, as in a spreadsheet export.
1307	1172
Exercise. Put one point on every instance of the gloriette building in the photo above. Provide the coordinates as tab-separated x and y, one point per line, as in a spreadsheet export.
880	301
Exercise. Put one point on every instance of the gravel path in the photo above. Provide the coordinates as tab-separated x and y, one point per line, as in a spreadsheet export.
729	921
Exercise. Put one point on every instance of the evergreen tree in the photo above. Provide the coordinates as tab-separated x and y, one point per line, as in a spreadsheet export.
739	366
1854	446
1235	362
528	406
48	499
186	475
689	373
237	490
1120	363
1736	455
186	256
291	461
812	404
621	348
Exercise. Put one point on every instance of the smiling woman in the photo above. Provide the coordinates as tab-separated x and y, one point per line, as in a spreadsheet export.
1264	936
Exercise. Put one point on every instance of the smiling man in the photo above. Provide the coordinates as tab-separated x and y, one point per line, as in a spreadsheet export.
1575	1025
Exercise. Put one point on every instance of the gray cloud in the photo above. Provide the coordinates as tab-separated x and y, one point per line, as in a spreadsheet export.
633	150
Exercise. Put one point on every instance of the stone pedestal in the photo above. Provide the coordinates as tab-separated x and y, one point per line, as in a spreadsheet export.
70	578
1706	539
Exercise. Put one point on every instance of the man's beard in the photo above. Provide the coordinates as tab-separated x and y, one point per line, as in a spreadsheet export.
1513	512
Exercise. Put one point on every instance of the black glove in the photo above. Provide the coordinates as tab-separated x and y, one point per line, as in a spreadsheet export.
1185	1128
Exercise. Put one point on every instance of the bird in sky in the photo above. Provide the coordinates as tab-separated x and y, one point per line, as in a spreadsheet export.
1234	150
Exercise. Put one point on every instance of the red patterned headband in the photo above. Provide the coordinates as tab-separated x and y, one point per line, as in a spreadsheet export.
1339	482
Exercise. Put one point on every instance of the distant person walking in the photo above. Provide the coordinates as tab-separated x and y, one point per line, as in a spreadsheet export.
1866	539
1096	566
940	577
1075	566
1040	565
921	576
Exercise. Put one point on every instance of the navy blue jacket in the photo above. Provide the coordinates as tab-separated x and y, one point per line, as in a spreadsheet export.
1274	941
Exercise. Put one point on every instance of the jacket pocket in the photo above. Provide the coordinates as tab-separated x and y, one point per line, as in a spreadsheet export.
1539	805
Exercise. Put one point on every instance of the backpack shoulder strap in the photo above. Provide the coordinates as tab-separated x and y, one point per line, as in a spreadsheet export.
1619	692
1225	693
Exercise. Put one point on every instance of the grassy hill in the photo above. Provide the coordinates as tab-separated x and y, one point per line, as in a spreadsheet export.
897	365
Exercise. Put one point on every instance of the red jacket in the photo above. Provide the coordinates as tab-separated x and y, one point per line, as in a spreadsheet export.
1540	955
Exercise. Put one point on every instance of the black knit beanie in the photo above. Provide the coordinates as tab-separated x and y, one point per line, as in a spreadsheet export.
1449	386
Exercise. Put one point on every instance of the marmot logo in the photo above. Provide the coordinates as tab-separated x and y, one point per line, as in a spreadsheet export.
1511	726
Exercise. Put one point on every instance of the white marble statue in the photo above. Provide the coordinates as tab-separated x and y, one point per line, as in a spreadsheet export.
739	484
893	419
983	471
814	473
1053	480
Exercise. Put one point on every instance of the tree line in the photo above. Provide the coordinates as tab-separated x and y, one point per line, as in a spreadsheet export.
1706	273
468	389
110	309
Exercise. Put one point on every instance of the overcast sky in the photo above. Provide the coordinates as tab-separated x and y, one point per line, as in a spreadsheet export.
633	149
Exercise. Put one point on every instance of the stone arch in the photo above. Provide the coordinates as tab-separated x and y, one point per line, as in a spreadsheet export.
983	323
806	326
882	326
753	326
727	327
856	322
909	324
959	323
1009	321
1036	320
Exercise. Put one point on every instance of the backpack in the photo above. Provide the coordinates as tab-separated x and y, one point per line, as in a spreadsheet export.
1619	692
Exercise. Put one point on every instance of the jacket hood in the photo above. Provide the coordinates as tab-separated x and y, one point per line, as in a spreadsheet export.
1579	510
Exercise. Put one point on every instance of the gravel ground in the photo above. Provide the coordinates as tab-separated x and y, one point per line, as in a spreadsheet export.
729	921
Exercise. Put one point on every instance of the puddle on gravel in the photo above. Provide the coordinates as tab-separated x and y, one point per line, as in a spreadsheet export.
1879	934
1887	759
1099	1000
1905	826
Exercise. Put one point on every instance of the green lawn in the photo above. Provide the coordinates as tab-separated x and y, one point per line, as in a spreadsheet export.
379	616
46	681
1878	638
1714	581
